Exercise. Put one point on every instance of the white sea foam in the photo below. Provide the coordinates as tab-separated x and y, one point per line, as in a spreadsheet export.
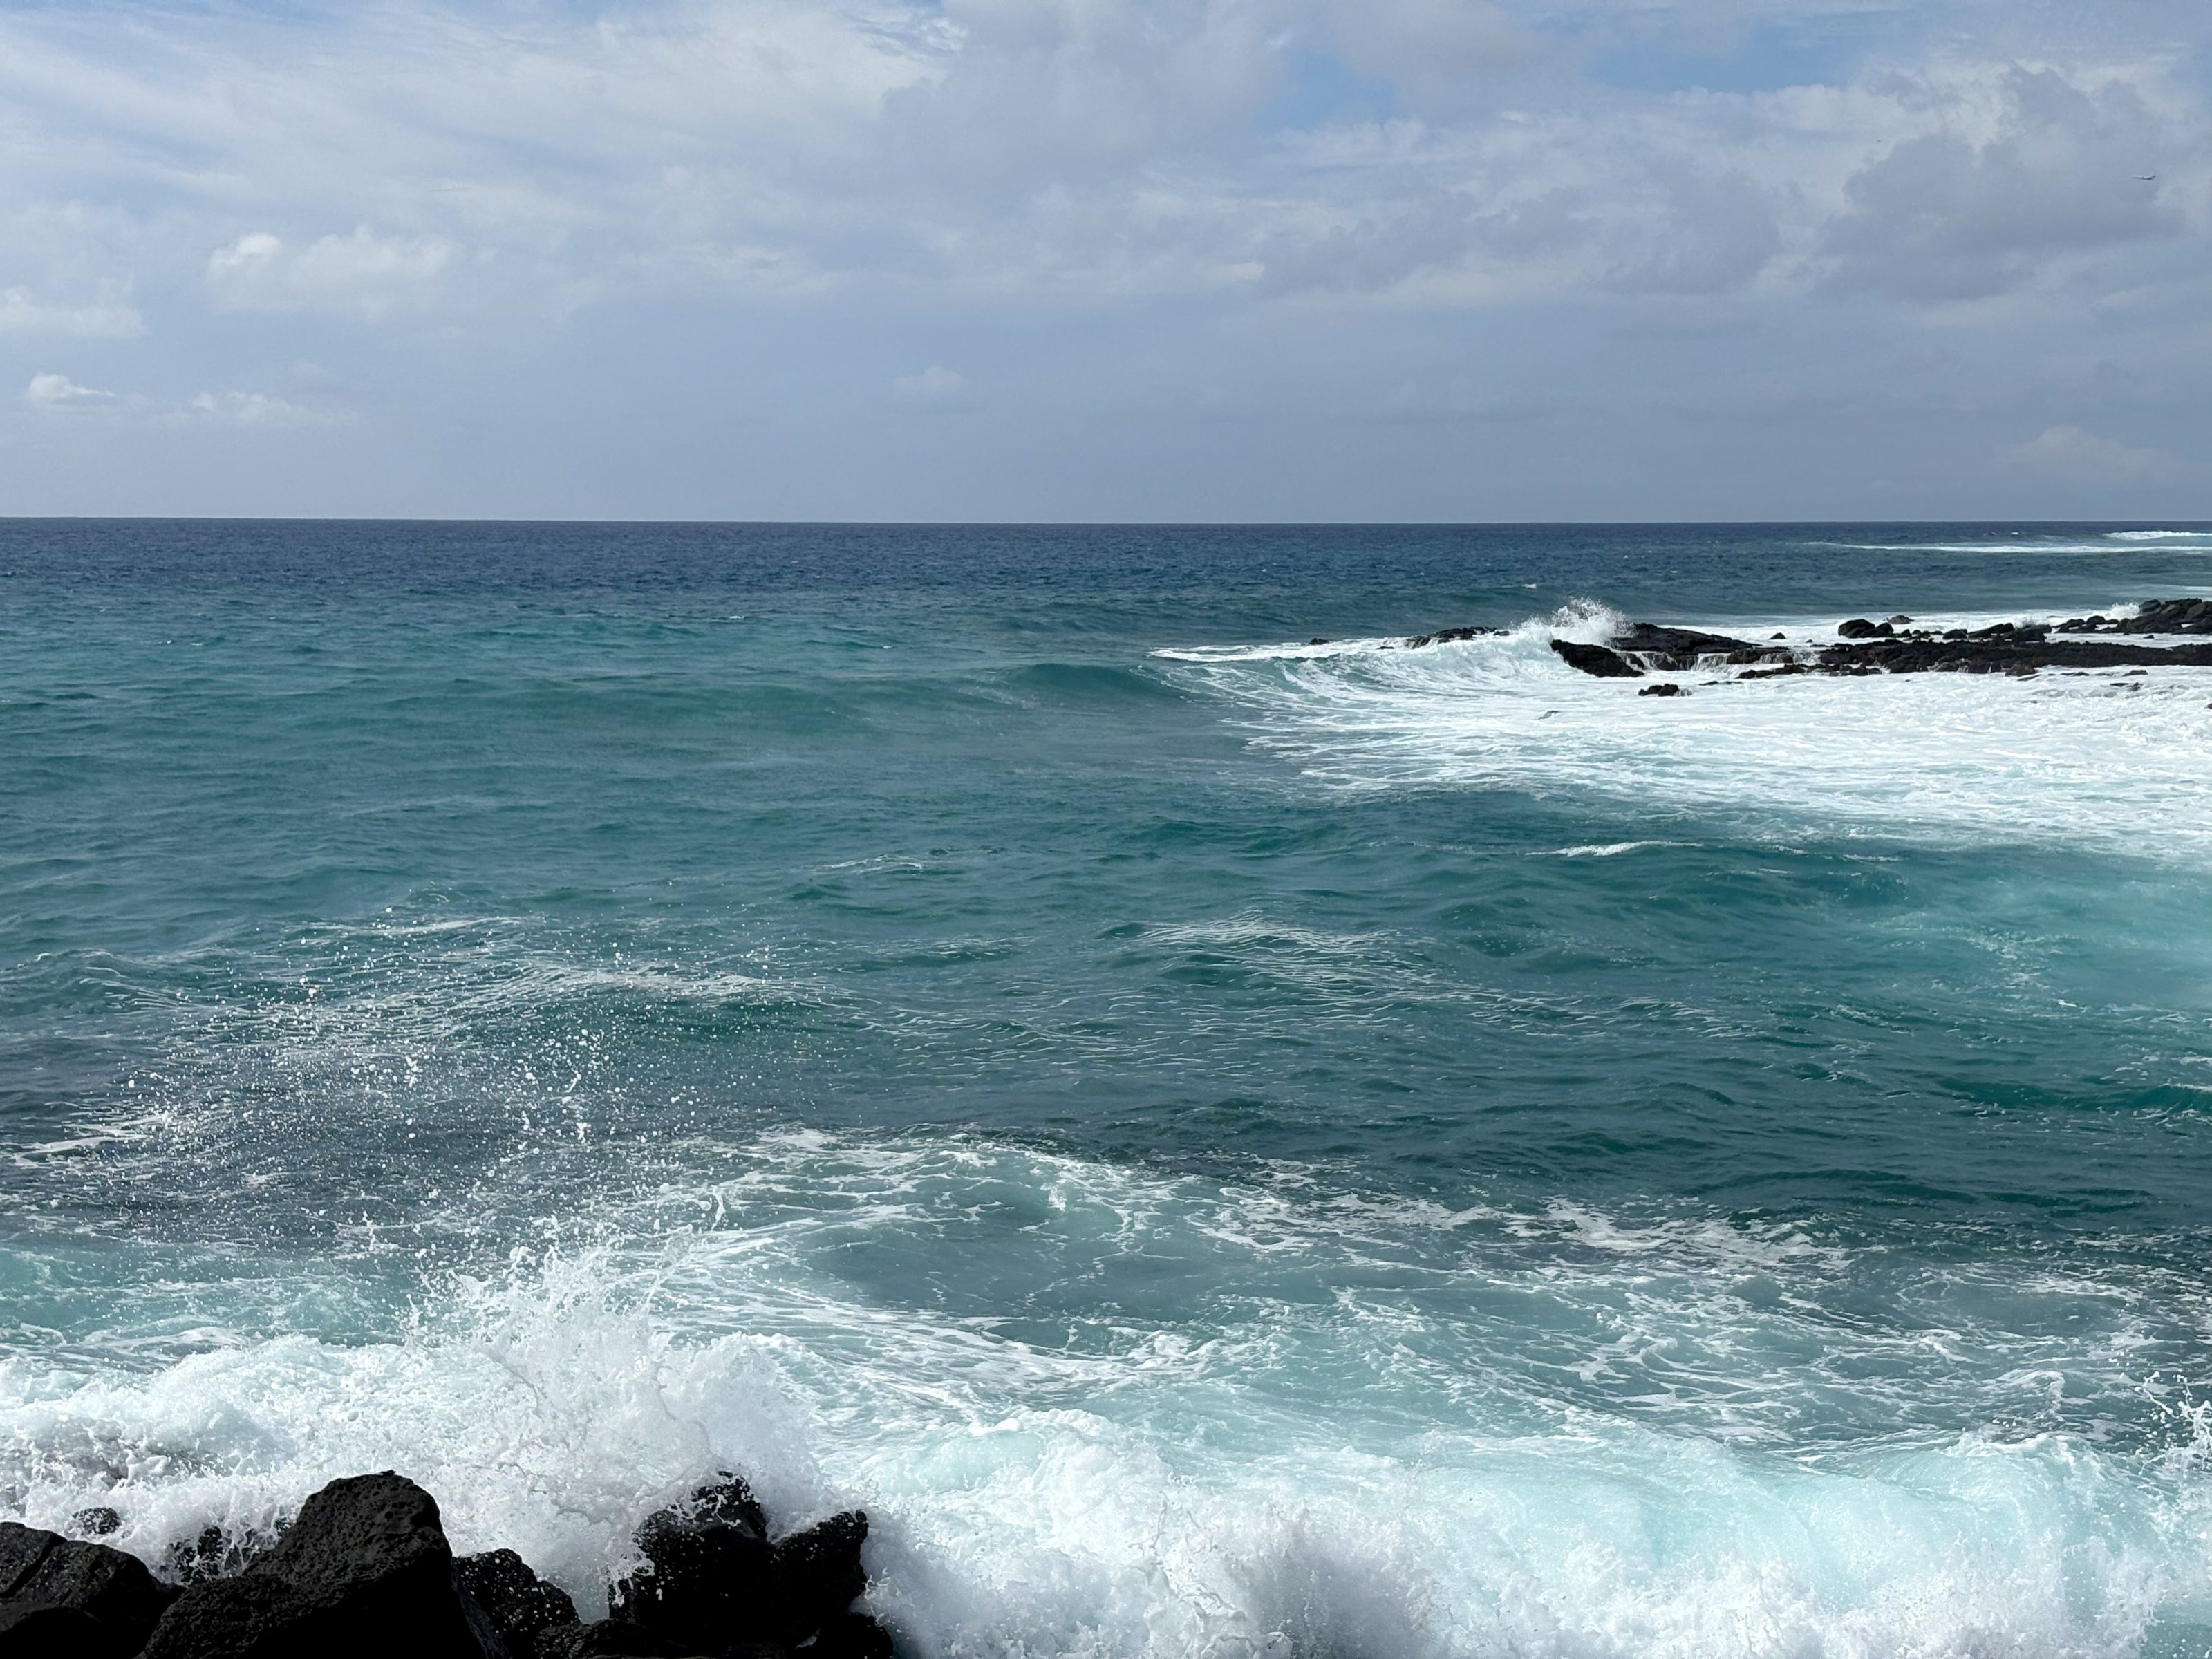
2110	542
1383	1429
2102	758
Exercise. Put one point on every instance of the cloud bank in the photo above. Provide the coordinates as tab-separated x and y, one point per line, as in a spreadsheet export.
641	230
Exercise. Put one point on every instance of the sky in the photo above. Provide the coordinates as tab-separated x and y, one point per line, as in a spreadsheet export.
1151	260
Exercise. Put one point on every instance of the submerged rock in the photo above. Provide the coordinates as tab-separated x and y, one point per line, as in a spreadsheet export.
365	1569
63	1597
1444	636
1664	689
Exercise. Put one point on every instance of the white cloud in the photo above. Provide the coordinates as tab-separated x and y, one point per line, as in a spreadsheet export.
2072	454
657	205
50	392
22	313
255	409
361	274
1994	176
1099	146
934	387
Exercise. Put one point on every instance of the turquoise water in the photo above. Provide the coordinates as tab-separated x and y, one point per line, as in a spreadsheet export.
1225	1146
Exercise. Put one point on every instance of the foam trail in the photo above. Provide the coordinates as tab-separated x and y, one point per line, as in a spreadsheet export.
2102	758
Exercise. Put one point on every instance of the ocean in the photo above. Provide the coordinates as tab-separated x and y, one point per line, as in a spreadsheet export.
1223	1146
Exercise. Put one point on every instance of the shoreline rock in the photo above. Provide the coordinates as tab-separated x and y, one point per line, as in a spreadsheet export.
365	1569
1895	647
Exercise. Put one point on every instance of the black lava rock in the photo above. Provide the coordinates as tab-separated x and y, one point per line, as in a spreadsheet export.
2152	616
522	1606
709	1578
851	1636
1445	636
1596	660
1858	627
1678	649
818	1575
364	1570
1665	688
713	1584
60	1595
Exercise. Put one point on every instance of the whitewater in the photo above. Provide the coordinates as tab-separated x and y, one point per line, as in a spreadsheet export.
1223	1145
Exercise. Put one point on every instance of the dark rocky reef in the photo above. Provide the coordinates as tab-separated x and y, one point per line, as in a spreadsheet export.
2154	616
1895	647
1443	636
366	1569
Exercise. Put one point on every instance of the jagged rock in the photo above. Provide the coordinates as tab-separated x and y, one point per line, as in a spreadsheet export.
365	1569
1444	636
2002	651
1665	688
818	1575
712	1583
98	1522
522	1606
1651	646
60	1595
709	1576
1596	660
2152	616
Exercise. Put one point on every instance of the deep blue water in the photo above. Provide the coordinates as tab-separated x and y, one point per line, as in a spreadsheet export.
1226	1147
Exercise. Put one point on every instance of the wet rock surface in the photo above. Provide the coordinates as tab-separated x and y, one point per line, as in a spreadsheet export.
367	1555
1894	646
365	1569
1597	659
2152	616
713	1581
522	1606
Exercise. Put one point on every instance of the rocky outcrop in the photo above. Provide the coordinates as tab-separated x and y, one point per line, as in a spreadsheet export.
367	1556
364	1570
522	1606
2152	616
1676	649
64	1597
1596	660
1894	646
712	1583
